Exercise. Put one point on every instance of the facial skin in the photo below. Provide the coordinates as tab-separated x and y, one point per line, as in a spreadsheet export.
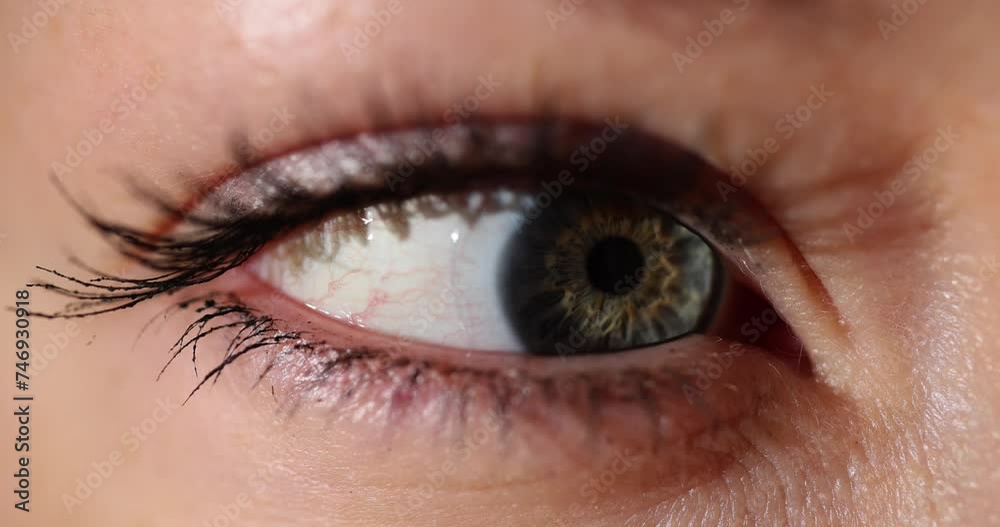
897	425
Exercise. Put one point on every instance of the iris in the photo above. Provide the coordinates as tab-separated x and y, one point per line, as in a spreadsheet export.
603	274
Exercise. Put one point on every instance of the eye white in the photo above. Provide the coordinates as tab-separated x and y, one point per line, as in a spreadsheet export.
436	282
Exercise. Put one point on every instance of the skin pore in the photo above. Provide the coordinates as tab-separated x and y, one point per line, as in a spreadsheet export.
866	132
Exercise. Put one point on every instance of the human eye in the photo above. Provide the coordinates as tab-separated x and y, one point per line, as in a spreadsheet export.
477	273
556	266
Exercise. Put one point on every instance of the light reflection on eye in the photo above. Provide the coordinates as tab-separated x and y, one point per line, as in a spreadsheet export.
589	274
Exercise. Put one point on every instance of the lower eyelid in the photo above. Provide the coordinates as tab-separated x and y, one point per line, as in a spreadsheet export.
670	403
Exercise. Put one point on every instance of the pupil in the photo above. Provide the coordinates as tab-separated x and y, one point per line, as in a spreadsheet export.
610	261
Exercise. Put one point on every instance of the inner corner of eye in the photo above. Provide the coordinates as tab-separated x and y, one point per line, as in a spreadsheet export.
506	271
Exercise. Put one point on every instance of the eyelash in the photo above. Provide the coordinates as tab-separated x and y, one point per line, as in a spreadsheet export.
206	243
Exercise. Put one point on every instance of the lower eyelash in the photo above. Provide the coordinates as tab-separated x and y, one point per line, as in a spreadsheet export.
382	385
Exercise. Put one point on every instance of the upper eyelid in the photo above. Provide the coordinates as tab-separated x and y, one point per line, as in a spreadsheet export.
393	91
537	146
314	125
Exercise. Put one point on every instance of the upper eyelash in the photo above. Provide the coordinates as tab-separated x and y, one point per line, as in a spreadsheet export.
204	248
205	244
199	255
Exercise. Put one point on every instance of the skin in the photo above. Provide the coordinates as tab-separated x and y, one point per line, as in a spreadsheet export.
897	425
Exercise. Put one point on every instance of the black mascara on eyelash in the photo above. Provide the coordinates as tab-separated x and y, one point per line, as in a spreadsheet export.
276	197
